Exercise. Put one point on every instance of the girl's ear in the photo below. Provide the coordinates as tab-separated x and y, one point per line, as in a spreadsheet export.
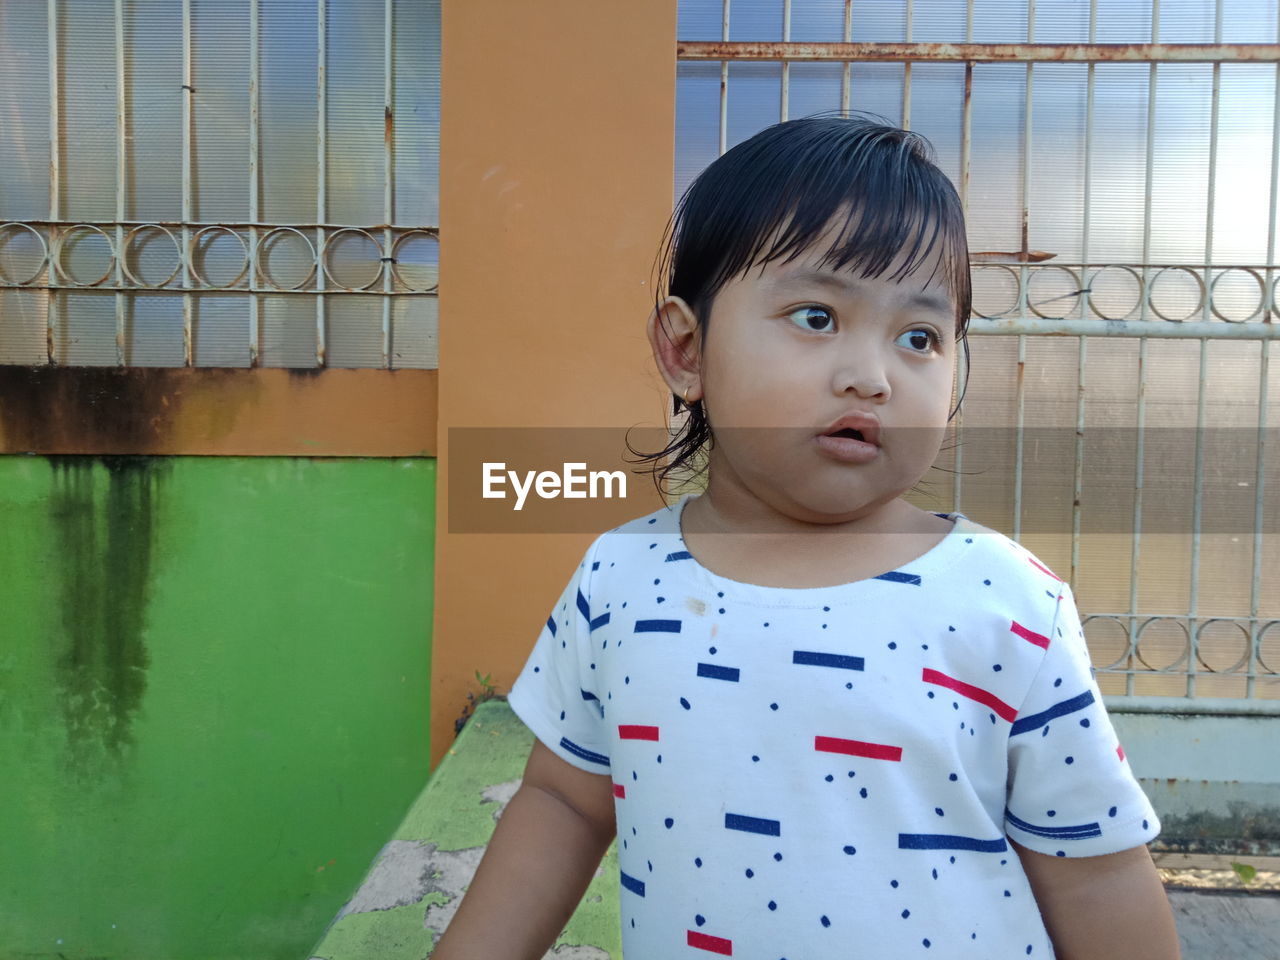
674	336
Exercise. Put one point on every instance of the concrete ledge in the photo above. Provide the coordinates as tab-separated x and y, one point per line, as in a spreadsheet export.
414	885
413	888
1213	779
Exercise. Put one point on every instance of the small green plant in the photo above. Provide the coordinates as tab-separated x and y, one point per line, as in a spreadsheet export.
1244	871
487	692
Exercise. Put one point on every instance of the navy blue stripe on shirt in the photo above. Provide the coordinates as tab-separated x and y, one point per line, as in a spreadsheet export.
657	626
632	884
1037	720
679	555
585	609
583	752
551	624
946	841
736	821
897	576
1080	831
814	659
716	672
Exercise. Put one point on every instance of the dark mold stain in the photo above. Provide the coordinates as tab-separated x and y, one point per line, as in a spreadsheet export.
105	545
54	409
1245	829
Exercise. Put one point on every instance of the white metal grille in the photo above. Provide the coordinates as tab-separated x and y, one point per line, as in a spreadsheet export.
229	183
1118	165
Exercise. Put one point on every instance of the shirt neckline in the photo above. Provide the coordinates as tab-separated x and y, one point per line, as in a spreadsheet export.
937	558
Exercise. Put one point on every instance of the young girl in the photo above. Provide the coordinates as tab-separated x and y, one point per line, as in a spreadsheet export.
820	721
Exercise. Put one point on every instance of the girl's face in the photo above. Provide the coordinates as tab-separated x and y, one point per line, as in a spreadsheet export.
793	348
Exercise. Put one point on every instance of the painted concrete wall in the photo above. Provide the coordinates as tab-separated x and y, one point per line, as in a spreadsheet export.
557	138
213	696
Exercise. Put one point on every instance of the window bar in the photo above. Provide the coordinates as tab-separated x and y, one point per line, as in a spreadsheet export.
966	126
846	67
1207	315
322	174
1197	504
1264	359
1131	630
786	65
1021	387
255	319
121	158
1144	363
906	74
188	254
55	188
1196	511
1260	475
1149	176
388	181
724	78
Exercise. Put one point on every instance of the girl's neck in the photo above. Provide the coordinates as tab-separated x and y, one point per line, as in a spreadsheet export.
753	543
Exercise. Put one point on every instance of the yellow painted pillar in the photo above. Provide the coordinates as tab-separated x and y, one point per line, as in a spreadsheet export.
557	144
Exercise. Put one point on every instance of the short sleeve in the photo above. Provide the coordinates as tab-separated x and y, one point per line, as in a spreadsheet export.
554	695
1071	792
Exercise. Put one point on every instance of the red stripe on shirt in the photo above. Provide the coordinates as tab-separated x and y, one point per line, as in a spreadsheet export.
712	944
1119	751
620	791
973	693
1039	639
1041	566
631	731
857	748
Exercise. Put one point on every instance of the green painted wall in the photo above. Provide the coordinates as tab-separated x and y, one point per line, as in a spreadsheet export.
213	697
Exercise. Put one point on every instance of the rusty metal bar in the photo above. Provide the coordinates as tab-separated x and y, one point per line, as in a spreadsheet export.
786	67
966	127
981	52
388	177
1264	361
1189	330
1020	389
1259	483
238	225
1197	503
906	73
322	170
255	76
188	91
121	160
55	183
724	78
846	67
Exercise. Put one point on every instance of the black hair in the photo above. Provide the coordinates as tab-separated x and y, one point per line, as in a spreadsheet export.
783	187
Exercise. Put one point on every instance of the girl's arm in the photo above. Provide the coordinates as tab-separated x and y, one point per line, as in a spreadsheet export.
543	854
1111	907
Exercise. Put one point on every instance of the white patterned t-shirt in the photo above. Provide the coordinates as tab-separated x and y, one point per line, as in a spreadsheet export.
831	772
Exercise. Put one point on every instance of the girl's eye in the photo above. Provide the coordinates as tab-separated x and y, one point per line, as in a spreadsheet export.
816	319
920	339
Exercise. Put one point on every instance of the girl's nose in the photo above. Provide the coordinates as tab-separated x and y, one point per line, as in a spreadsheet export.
864	376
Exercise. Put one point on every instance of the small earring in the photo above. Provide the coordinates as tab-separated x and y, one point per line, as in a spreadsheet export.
685	396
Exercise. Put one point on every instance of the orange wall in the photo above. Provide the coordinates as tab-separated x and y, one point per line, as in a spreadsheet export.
557	145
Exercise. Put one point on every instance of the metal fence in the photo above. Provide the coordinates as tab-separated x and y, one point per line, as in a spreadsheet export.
151	281
1221	654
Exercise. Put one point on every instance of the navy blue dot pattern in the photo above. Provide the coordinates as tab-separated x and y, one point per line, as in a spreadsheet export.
791	766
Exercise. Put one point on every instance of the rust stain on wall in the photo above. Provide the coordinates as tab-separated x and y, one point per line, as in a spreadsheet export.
105	540
217	411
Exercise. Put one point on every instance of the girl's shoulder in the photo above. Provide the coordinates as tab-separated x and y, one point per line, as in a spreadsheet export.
990	546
